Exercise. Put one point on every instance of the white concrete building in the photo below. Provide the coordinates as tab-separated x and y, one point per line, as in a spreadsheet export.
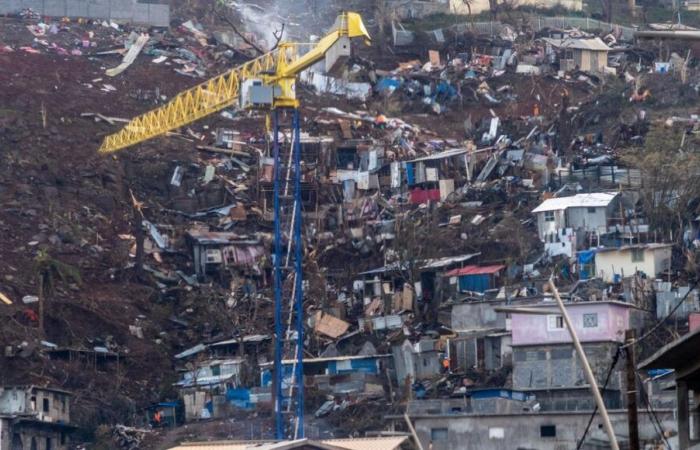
562	221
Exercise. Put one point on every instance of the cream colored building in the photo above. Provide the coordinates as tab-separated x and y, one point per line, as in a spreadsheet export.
650	259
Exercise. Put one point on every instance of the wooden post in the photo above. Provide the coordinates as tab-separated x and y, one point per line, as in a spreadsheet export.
413	431
587	369
632	420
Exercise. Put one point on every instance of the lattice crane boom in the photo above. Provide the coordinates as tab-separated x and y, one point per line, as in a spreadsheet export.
278	69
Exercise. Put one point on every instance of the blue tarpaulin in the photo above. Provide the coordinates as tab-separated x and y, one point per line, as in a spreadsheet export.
586	260
239	397
388	84
410	177
474	283
445	90
368	365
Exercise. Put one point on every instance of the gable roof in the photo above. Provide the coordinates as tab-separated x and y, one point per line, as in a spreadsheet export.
592	200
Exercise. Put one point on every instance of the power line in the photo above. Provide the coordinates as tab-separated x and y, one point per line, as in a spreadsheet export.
662	321
616	357
656	423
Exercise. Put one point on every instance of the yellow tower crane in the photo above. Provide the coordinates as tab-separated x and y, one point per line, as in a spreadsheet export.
267	81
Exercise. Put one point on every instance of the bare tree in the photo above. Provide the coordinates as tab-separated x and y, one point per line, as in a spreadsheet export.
607	10
670	170
225	14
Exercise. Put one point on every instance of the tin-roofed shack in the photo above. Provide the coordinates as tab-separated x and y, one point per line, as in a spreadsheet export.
588	55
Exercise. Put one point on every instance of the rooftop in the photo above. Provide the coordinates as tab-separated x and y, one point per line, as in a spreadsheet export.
329	359
595	44
374	443
219	237
680	355
592	200
27	387
652	246
475	270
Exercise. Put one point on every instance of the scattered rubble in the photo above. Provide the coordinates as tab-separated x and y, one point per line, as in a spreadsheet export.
437	188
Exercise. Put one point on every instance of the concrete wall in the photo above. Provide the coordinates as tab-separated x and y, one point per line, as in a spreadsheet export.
612	321
666	301
577	218
522	431
608	264
132	11
22	435
415	365
478	316
497	352
21	401
466	405
581	218
58	405
544	227
558	366
12	401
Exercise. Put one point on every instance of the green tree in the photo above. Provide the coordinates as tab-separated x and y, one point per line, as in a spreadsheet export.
670	170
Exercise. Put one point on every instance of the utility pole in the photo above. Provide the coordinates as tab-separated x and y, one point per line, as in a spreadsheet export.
632	423
586	369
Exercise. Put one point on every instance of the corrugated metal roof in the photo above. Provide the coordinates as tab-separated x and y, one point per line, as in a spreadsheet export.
329	358
393	267
378	443
375	443
592	200
220	237
442	262
595	44
475	270
441	155
246	339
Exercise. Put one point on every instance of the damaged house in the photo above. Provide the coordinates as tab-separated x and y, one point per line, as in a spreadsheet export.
219	375
214	252
34	418
588	55
544	359
615	263
478	279
350	377
564	223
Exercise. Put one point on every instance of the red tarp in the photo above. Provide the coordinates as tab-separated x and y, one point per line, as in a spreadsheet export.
475	270
419	196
